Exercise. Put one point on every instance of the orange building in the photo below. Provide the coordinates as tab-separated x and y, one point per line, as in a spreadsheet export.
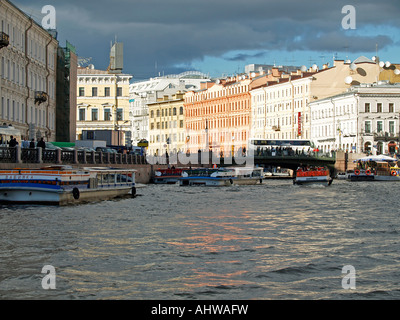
218	116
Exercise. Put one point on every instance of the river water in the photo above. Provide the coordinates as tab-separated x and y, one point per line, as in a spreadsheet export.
270	241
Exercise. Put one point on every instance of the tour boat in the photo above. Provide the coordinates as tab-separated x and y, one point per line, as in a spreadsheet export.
63	185
248	175
376	168
319	175
167	176
207	177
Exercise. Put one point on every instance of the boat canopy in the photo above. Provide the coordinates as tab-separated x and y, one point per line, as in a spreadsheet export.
376	158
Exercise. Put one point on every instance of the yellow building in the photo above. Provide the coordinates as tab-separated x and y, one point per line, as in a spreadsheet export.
103	104
167	125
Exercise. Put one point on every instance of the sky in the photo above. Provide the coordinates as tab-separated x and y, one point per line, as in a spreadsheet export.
220	37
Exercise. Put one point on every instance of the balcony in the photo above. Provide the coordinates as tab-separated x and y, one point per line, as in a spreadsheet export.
4	40
40	97
386	136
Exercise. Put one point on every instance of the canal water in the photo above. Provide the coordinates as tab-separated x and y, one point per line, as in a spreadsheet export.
270	241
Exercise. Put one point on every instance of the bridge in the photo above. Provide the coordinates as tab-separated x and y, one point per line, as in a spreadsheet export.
283	159
290	161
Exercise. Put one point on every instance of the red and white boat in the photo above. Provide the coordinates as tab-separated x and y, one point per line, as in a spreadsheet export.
318	175
168	176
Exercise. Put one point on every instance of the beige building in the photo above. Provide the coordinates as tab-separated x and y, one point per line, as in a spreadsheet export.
103	103
28	74
167	129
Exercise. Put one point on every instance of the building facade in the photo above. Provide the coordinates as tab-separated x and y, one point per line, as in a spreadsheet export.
280	108
363	119
143	93
103	103
28	74
218	116
167	125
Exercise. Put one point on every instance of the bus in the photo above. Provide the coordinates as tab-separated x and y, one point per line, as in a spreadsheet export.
5	135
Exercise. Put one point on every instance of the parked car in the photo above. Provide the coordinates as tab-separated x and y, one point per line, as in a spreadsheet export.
50	146
105	150
86	149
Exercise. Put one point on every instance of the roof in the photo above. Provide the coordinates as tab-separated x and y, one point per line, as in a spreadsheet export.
363	59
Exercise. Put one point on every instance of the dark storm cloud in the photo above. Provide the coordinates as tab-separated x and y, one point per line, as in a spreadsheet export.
170	32
245	56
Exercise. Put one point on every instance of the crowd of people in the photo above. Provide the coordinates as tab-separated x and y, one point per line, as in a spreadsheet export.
12	143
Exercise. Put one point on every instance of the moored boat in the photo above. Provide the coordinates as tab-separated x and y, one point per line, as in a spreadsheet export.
248	175
376	168
167	176
207	177
63	185
318	175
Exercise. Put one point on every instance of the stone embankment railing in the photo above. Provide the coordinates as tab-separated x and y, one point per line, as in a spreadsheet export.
62	157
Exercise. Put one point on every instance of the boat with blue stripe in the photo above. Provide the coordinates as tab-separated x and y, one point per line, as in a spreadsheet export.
64	185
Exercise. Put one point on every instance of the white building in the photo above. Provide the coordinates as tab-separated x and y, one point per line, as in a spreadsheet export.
363	119
150	91
280	108
28	74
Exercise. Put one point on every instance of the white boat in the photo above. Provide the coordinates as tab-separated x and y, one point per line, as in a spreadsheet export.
344	175
319	175
207	177
248	175
63	185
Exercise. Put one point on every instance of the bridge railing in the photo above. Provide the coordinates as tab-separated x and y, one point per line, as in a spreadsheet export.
37	155
294	154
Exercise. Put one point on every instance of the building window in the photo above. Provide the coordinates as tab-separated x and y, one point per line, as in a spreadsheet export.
379	107
174	112
367	107
379	126
391	127
367	127
95	116
181	110
107	114
152	114
391	107
181	124
119	92
107	92
120	114
94	92
81	114
81	92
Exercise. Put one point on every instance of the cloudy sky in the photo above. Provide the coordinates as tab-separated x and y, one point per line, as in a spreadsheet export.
221	36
